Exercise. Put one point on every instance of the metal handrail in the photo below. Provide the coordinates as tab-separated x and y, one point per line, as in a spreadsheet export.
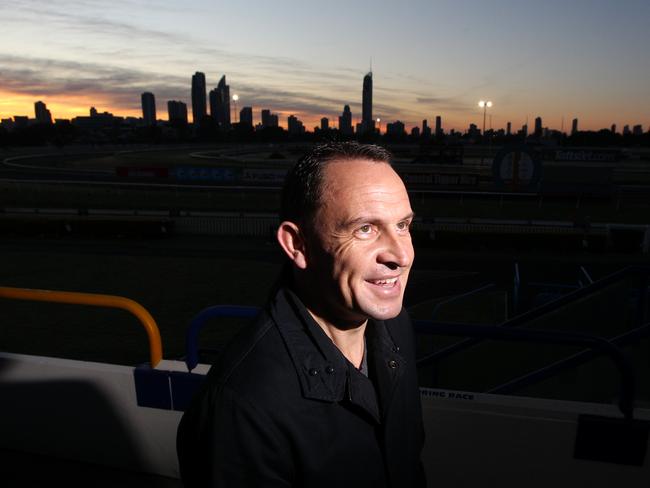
96	300
216	311
627	373
546	308
460	297
568	362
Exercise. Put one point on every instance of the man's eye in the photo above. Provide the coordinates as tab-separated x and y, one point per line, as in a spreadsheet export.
365	229
403	225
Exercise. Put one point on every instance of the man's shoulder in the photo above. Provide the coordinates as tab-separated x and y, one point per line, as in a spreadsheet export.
255	362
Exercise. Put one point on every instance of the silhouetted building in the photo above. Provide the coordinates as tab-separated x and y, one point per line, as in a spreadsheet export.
508	128
637	130
473	130
367	122
324	123
93	112
395	129
626	129
426	130
177	112
415	132
198	97
438	125
613	128
148	109
246	117
21	121
574	126
345	121
538	126
220	104
269	119
43	115
524	130
295	126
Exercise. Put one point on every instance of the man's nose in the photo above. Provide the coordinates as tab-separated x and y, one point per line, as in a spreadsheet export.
397	250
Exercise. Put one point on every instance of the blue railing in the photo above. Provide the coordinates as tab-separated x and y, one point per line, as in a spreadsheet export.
216	311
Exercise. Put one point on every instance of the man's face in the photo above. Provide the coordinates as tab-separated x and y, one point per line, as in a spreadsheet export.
360	253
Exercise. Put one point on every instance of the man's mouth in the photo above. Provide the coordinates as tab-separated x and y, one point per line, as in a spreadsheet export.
384	282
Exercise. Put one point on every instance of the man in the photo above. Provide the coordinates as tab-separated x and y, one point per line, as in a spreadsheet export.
322	390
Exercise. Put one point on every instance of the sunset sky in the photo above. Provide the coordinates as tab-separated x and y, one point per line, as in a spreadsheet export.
579	58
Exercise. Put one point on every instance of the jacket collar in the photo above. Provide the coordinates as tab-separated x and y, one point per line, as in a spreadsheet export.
324	373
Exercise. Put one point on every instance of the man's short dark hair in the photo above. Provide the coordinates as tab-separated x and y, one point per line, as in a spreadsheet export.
303	185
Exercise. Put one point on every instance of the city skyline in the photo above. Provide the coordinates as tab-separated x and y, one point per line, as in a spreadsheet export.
586	60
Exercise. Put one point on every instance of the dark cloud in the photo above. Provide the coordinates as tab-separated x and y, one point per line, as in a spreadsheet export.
444	103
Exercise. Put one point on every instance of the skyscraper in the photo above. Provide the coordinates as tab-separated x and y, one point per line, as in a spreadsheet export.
438	125
509	128
538	126
269	119
246	117
220	104
345	121
294	125
324	123
177	112
426	130
367	122
148	109
574	126
43	115
198	97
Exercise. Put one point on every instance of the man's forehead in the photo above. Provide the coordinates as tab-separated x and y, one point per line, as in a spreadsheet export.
363	186
340	174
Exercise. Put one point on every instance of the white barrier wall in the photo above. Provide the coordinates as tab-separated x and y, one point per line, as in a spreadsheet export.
88	412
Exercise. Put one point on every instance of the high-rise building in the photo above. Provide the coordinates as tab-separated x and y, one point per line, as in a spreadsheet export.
345	121
324	123
509	128
395	128
177	112
613	128
367	122
426	130
269	119
148	109
415	132
538	127
295	126
524	130
220	104
626	130
438	125
574	126
637	130
198	97
43	115
246	117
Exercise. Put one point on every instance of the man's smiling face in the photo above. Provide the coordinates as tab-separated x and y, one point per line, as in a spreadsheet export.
359	252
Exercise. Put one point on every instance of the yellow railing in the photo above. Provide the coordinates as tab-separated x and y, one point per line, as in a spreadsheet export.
97	300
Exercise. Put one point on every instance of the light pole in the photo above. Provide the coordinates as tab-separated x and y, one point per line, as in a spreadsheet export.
235	97
379	125
484	105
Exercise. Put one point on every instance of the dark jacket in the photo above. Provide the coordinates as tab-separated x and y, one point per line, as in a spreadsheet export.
283	407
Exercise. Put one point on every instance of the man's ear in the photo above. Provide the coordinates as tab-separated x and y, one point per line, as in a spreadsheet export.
292	242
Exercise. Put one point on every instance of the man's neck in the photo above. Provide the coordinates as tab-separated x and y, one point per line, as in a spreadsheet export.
349	341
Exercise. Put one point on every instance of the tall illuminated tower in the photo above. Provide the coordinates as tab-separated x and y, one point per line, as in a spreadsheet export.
367	121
